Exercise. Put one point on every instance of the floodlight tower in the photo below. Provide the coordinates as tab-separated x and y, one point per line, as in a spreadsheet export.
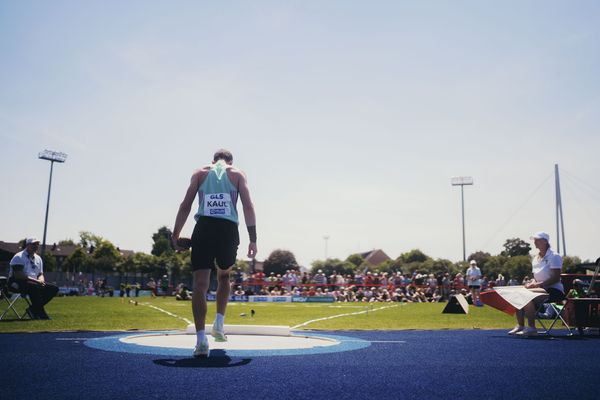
52	156
326	238
462	181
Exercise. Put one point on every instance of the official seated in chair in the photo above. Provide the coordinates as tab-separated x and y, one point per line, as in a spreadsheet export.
547	266
26	276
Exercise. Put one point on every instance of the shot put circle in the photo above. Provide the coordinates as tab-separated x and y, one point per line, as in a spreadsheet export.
180	344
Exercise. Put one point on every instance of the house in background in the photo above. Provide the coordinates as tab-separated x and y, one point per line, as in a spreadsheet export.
60	253
375	257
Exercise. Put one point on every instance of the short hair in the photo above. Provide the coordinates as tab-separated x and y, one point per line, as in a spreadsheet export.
223	154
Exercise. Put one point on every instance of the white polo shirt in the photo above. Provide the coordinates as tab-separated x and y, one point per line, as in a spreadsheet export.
474	273
32	265
542	268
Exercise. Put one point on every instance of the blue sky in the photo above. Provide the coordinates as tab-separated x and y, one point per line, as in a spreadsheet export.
349	118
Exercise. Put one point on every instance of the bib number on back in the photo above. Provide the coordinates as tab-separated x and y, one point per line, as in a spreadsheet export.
217	204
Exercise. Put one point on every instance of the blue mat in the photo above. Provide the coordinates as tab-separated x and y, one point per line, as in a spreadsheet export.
396	365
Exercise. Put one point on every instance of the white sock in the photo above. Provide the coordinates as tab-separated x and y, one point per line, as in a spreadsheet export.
220	319
200	336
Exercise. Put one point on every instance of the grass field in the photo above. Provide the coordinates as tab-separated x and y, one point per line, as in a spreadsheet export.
116	314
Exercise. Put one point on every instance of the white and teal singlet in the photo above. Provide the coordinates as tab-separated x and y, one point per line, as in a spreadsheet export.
217	196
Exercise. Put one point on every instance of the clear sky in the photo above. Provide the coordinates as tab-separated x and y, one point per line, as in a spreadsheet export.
350	118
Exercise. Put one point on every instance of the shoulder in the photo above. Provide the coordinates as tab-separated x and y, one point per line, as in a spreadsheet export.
233	171
236	175
16	258
202	171
555	259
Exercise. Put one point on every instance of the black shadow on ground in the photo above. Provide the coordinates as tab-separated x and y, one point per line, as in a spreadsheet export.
217	359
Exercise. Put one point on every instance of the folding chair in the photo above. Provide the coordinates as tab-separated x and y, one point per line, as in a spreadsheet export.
11	298
554	312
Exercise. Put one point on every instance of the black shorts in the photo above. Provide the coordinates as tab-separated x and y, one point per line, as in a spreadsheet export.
214	240
474	287
555	295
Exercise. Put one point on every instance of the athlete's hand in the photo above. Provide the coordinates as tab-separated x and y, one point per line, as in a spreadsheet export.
176	244
252	250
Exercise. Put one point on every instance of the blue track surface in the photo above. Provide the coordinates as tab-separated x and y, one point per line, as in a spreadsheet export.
397	365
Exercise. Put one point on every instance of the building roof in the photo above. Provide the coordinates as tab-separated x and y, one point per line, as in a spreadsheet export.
375	257
54	249
8	247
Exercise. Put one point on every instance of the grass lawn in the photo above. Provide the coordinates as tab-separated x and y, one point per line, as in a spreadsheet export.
116	314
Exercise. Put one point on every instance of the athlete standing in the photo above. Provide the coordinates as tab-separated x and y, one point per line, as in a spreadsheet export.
215	239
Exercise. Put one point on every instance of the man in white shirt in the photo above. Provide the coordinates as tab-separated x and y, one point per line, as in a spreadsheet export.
26	275
473	276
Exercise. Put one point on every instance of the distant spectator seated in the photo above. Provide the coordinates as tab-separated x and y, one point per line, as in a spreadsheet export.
239	291
104	289
26	275
182	292
263	291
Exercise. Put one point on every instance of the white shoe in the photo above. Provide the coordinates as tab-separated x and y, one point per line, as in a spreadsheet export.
527	332
218	332
201	350
516	330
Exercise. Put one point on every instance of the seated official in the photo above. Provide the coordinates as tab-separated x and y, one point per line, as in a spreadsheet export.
26	276
546	268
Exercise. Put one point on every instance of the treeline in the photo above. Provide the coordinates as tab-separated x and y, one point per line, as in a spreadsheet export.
94	254
513	262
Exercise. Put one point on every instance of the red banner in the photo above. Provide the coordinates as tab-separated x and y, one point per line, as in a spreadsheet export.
493	299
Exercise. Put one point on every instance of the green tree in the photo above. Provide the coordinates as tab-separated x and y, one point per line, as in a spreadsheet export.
413	256
128	268
441	266
495	265
49	262
518	267
88	239
389	266
144	263
243	265
516	247
279	261
356	259
106	257
569	264
480	257
162	242
77	261
332	265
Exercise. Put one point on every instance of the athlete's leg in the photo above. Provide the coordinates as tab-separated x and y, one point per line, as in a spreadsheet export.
201	281
223	289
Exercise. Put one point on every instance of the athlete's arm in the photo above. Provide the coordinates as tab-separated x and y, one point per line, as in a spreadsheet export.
186	206
249	214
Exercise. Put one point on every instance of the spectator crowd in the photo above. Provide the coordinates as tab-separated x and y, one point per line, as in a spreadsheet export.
361	287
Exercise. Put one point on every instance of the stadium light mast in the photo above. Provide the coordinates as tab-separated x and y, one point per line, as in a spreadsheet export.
52	156
462	181
326	238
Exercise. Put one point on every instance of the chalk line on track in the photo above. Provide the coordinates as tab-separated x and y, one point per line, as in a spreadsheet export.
340	315
187	321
